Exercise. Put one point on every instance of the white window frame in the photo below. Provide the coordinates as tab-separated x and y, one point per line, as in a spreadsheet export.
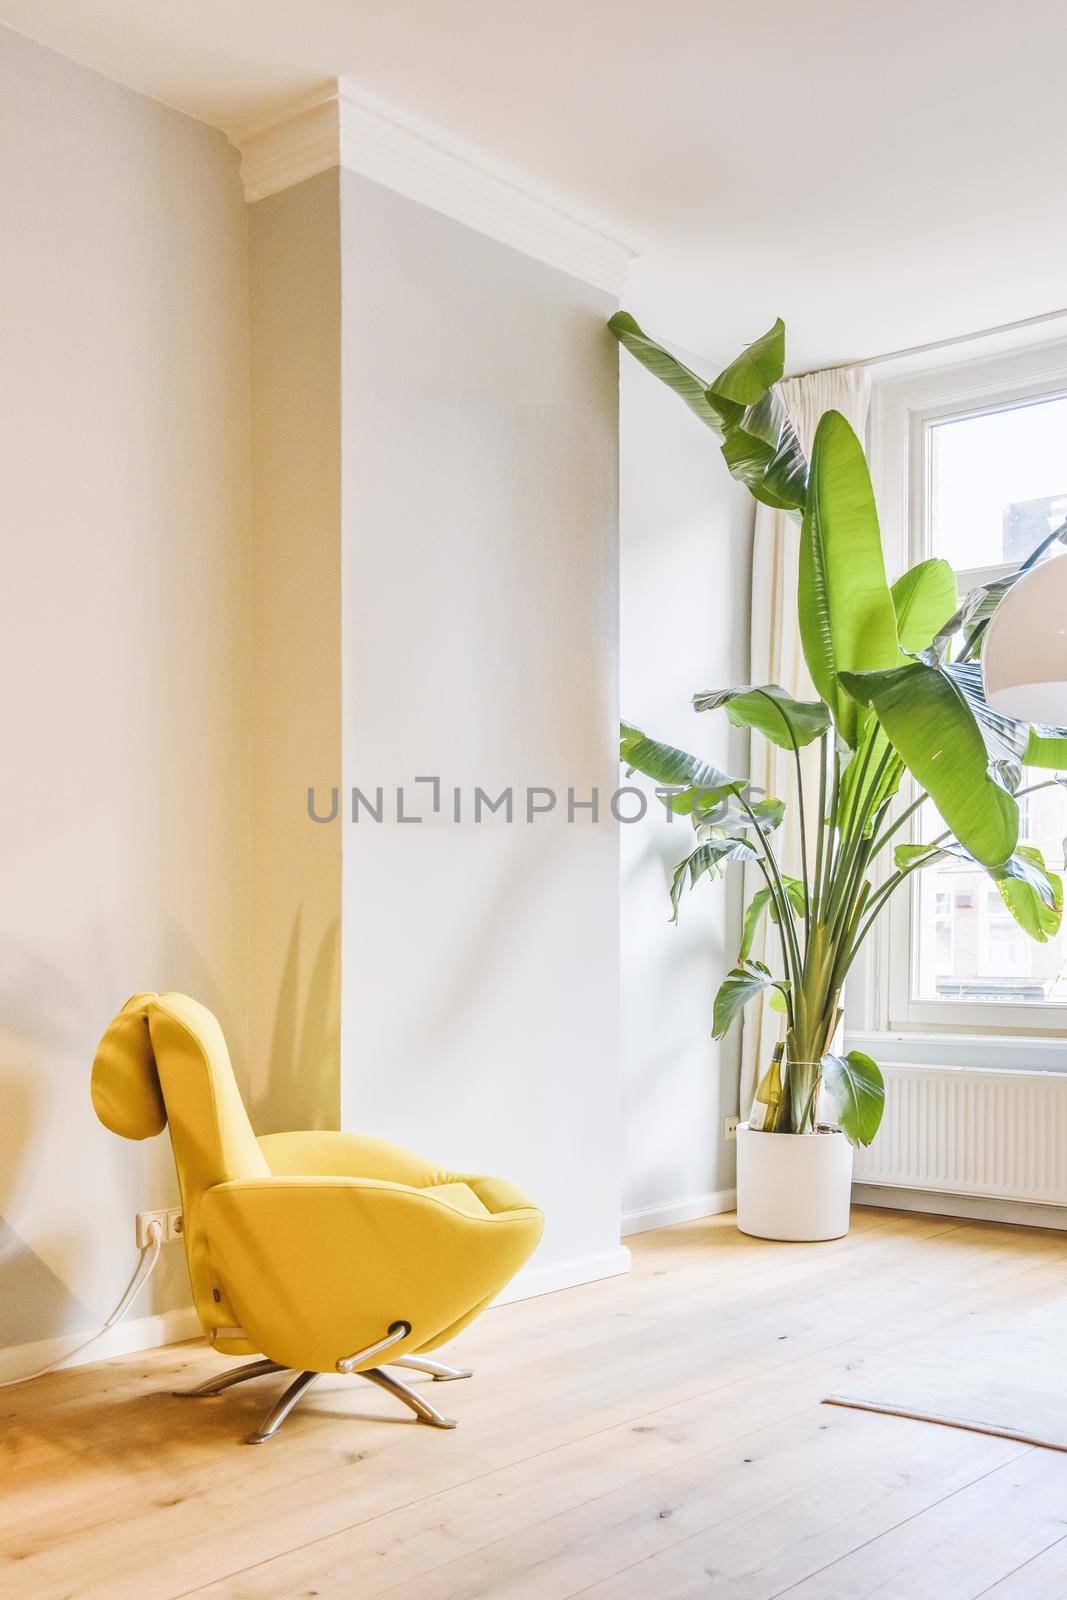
902	412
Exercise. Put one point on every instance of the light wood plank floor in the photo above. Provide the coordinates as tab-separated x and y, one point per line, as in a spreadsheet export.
645	1438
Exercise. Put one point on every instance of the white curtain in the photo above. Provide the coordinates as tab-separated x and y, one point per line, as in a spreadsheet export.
777	657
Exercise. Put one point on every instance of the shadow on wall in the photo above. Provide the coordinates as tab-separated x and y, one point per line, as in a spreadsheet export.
198	980
52	1022
301	1087
34	1302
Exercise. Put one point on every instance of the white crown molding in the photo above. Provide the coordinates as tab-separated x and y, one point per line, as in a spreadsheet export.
338	126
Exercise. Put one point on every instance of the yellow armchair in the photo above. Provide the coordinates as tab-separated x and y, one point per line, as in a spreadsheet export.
321	1251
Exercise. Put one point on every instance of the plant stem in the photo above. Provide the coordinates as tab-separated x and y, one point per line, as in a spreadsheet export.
891	885
785	913
820	837
846	841
1049	783
809	1109
884	838
845	876
847	949
832	837
781	935
800	803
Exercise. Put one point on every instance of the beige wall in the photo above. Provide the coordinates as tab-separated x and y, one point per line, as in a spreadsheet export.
123	646
171	646
296	654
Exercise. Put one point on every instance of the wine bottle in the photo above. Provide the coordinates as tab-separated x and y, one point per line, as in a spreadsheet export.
766	1107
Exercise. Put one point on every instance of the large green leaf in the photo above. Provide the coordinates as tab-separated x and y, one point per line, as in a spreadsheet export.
923	599
1032	893
758	906
932	729
847	620
1007	740
668	369
759	365
739	986
762	451
769	812
759	443
976	608
906	855
795	894
1046	747
704	784
754	913
710	859
770	711
1026	895
725	817
866	781
856	1086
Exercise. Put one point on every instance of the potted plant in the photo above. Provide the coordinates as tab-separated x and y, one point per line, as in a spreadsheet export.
898	673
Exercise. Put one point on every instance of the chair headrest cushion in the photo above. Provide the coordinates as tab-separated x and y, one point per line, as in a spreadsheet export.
125	1086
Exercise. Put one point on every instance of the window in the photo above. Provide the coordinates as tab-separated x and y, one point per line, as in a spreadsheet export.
997	483
969	946
974	469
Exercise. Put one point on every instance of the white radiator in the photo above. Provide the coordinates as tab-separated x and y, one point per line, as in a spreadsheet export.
962	1131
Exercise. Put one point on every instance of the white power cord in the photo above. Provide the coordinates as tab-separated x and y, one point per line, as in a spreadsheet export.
133	1288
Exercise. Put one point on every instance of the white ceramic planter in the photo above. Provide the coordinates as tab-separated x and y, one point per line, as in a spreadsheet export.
793	1185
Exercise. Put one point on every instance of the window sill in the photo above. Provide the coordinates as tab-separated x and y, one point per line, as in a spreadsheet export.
992	1052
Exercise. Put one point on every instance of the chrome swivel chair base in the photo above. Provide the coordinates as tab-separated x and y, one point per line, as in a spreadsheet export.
441	1373
424	1411
213	1386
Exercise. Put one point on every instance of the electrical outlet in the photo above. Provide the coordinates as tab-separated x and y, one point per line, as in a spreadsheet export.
144	1222
729	1129
175	1228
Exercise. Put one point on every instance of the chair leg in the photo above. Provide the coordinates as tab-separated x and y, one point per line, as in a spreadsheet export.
422	1408
281	1409
253	1369
441	1373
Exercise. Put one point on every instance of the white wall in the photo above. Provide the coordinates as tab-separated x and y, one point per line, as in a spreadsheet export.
480	961
685	584
123	646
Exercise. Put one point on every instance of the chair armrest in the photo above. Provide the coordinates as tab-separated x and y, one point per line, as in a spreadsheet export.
317	1267
321	1152
497	1194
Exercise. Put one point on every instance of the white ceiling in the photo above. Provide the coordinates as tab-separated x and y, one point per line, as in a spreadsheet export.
879	174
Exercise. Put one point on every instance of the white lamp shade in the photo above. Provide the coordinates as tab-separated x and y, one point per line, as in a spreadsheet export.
1024	654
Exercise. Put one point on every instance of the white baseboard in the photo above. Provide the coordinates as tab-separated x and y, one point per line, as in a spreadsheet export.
148	1333
565	1275
1026	1213
126	1338
710	1204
